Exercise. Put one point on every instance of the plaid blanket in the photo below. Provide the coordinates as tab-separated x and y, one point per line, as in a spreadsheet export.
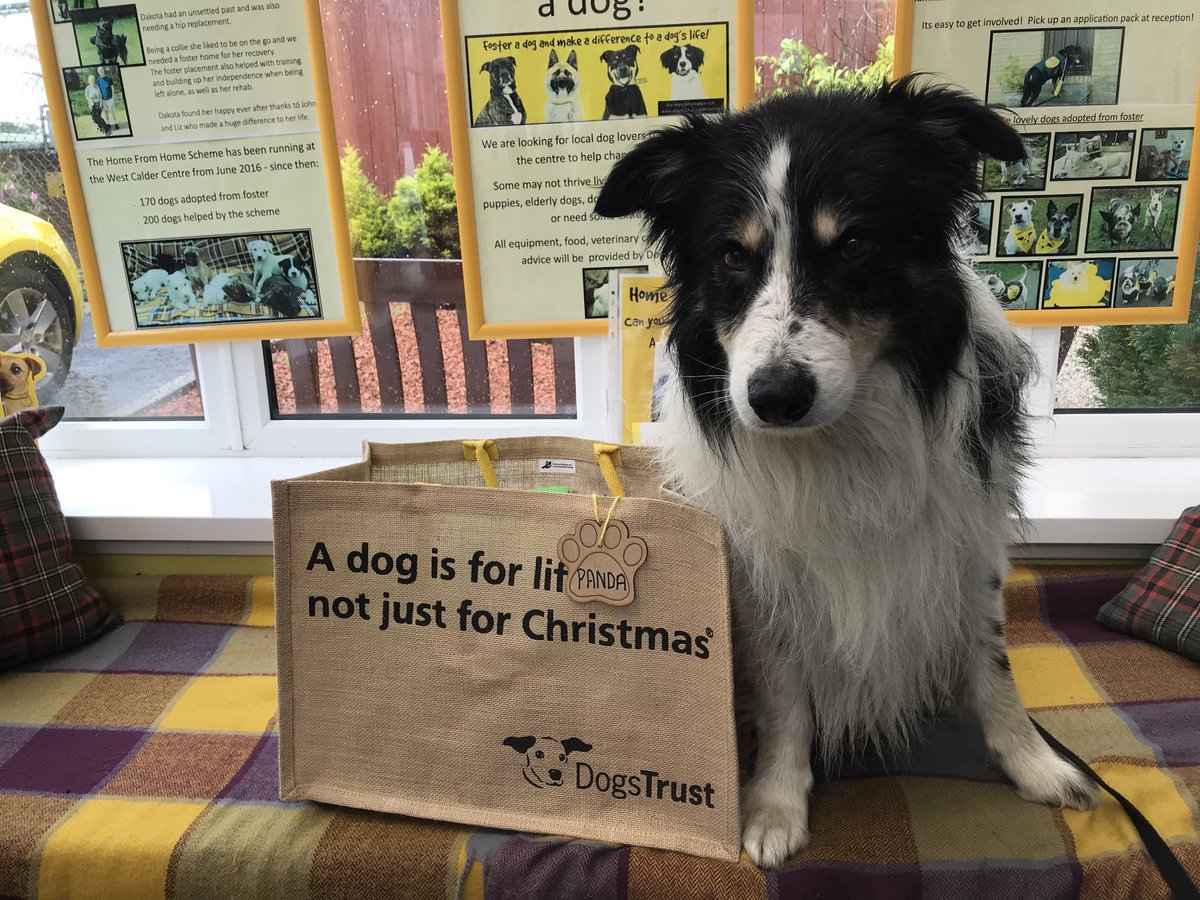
144	765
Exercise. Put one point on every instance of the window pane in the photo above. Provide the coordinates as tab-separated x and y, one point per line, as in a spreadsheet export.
37	311
1132	367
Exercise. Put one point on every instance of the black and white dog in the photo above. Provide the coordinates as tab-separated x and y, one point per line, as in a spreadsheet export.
1053	69
684	65
504	106
110	46
624	98
849	403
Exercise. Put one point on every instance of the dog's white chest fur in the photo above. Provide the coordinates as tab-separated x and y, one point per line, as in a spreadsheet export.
859	551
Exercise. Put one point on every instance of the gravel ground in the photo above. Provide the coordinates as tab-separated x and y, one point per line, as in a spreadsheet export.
1075	388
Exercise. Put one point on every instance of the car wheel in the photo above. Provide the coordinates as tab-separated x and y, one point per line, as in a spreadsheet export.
35	317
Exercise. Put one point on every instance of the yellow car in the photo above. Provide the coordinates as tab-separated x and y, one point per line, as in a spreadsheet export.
41	299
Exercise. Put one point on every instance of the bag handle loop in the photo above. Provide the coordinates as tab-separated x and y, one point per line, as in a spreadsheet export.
483	452
608	457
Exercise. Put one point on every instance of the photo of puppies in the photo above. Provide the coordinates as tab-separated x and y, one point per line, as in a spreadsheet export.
504	106
227	278
1133	218
624	98
980	234
1039	226
600	288
1166	154
96	97
108	36
1145	282
562	89
1092	155
1028	173
1079	284
1014	285
60	10
1055	67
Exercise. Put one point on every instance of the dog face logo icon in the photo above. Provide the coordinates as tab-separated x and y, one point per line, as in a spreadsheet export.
545	757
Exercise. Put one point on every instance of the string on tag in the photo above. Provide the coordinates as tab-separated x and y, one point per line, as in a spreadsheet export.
607	518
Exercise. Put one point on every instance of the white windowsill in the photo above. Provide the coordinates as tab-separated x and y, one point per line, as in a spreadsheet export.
1076	507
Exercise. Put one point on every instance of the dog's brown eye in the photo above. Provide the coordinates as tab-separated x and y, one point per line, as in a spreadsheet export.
856	248
562	757
539	754
736	258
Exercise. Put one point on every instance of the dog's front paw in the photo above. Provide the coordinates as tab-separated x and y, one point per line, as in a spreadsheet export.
1057	783
774	831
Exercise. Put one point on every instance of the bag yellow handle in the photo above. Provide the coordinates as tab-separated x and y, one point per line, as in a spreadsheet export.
607	457
483	452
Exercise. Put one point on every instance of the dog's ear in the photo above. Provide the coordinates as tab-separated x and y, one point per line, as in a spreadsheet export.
669	58
512	61
635	48
1072	210
37	368
520	744
575	745
606	56
486	67
949	113
572	60
1137	210
1106	216
553	60
654	174
1051	209
699	56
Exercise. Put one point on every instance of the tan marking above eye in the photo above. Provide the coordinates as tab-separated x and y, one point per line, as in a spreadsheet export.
826	225
749	233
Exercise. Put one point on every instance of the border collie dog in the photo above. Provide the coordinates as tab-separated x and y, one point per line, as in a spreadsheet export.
849	403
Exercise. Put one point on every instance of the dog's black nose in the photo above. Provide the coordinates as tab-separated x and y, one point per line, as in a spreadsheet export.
556	774
782	394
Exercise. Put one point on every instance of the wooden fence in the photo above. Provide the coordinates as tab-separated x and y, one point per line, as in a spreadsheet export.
389	84
430	289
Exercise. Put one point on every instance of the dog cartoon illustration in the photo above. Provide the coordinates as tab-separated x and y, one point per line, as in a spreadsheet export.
545	757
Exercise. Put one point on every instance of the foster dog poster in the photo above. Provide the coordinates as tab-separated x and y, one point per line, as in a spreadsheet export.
1098	223
544	96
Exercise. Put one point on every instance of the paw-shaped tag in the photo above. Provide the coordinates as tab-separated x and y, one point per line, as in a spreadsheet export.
601	568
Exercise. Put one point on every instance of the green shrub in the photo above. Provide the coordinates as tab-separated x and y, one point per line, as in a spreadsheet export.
1146	366
372	234
1012	76
424	208
797	67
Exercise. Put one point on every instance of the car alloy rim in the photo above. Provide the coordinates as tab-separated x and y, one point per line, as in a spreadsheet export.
29	323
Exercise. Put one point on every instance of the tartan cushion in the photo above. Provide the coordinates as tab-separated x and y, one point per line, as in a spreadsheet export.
1162	603
45	604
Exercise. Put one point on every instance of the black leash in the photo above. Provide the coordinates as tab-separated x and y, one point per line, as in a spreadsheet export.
1168	864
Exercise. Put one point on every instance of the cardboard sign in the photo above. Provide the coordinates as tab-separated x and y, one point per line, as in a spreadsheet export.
544	96
1098	225
508	657
201	169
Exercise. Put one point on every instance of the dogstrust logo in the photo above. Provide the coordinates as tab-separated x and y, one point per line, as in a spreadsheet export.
550	762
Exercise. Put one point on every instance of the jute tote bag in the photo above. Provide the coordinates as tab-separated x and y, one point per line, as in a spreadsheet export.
524	634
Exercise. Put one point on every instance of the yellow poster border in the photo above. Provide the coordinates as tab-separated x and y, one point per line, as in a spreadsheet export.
452	45
276	329
1189	236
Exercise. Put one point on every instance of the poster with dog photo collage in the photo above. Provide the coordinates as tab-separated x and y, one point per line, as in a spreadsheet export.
203	187
544	98
1098	222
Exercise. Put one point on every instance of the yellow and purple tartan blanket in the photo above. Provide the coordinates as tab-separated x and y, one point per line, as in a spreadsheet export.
144	765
